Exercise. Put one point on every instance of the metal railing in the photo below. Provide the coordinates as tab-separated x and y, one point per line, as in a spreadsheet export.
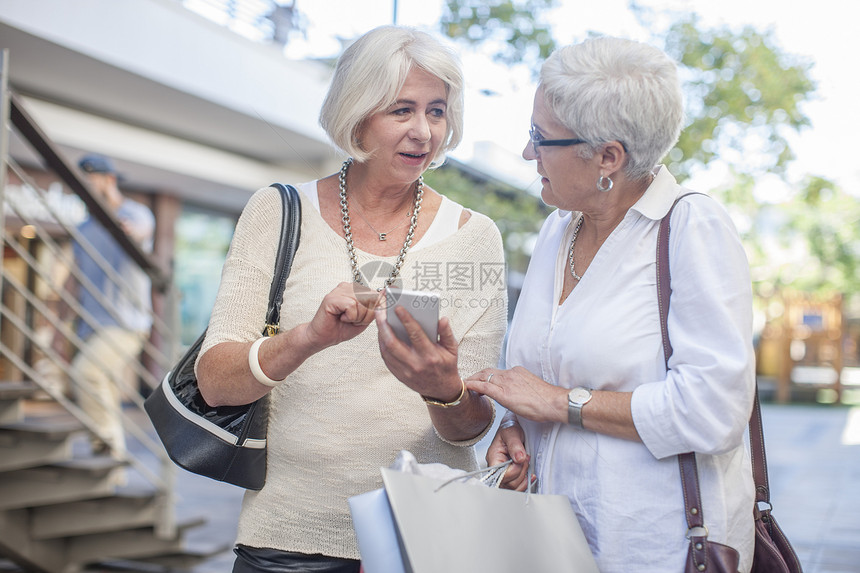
259	20
37	232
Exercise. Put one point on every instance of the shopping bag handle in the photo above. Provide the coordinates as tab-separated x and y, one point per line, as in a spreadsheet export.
492	479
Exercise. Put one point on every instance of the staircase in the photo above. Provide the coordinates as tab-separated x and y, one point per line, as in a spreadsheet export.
65	508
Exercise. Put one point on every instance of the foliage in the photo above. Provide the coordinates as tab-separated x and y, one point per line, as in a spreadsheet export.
517	214
515	29
743	93
512	32
827	221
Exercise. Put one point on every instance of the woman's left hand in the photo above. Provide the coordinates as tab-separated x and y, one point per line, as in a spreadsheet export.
509	444
522	392
425	366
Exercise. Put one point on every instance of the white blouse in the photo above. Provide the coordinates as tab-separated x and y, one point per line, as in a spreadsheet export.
606	336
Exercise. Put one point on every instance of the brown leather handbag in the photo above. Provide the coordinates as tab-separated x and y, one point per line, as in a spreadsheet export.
773	552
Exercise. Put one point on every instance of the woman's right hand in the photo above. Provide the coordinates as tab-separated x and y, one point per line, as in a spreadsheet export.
508	444
223	373
343	314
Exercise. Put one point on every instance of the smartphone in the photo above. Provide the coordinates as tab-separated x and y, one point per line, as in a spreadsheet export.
423	306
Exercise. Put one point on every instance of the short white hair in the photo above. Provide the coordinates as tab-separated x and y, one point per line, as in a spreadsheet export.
613	89
370	74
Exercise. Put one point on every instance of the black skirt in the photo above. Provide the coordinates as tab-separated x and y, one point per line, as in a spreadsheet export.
260	560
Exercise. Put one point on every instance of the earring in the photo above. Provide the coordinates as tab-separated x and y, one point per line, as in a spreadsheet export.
604	184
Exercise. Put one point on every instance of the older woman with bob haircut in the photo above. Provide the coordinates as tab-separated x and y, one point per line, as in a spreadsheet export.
593	411
346	394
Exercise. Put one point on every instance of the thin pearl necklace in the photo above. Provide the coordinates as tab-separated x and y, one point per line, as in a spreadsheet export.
347	229
575	276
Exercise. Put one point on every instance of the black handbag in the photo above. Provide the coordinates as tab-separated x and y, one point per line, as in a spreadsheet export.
773	553
225	443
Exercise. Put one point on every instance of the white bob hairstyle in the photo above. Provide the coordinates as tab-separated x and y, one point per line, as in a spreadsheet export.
613	89
370	74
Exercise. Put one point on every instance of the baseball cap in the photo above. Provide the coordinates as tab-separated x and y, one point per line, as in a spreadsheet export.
95	163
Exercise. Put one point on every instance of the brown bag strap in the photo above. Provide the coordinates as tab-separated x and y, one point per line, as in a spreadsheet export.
758	457
687	462
696	531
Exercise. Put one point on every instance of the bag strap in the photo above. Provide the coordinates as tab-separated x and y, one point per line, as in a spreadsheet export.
291	219
687	462
697	533
758	457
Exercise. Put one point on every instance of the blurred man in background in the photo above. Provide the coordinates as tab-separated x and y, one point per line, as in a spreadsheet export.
119	305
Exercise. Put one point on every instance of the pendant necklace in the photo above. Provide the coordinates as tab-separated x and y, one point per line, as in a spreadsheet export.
347	229
575	276
384	236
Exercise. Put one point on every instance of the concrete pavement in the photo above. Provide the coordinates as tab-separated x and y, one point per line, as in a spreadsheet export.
813	453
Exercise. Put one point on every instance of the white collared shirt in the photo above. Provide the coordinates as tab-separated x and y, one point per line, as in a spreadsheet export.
606	336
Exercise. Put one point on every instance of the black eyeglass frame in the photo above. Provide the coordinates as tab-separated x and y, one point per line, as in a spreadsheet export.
558	142
533	136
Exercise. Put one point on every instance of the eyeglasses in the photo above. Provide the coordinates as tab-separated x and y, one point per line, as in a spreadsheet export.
538	140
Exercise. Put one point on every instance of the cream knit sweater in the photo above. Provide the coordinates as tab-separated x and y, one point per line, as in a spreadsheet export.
342	415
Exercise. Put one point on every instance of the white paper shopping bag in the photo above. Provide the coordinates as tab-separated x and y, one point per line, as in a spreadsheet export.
375	533
463	528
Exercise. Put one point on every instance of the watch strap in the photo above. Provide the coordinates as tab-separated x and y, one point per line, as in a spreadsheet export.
574	409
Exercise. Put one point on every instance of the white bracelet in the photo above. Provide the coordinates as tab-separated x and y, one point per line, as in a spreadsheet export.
508	423
256	370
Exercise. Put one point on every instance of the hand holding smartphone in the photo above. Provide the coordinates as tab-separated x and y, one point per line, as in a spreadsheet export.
423	306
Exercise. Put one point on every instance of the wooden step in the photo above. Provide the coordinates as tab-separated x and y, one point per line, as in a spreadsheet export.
6	566
68	555
45	427
96	516
12	395
10	390
33	556
134	544
181	561
69	481
35	442
11	411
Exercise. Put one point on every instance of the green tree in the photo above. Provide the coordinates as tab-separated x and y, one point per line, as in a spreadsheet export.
512	32
744	94
517	213
825	220
515	31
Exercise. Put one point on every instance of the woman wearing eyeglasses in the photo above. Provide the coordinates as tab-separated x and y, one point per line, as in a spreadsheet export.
594	412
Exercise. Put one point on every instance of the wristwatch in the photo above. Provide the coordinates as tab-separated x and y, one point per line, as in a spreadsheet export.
576	399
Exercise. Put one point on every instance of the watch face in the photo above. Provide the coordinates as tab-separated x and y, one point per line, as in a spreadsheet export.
579	395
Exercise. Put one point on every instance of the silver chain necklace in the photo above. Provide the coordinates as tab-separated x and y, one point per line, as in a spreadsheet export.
575	276
347	229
